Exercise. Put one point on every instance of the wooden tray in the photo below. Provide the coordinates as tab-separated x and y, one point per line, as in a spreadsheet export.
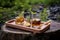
11	23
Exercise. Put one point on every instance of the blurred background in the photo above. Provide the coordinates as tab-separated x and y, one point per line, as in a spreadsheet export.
9	9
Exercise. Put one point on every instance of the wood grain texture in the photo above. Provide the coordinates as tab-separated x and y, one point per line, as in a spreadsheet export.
12	34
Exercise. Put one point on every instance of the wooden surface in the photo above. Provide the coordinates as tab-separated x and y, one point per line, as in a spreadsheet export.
12	30
53	27
15	34
41	29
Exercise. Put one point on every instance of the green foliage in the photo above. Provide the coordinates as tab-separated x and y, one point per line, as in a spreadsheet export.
8	8
6	14
1	16
24	4
44	15
6	3
51	2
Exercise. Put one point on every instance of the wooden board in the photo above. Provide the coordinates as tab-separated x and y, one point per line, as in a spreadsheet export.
11	24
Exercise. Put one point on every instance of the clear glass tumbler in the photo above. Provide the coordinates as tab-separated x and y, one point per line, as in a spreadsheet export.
35	21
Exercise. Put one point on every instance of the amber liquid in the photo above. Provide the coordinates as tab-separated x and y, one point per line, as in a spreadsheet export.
19	20
36	22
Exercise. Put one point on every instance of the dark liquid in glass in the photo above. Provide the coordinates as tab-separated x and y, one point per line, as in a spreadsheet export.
36	22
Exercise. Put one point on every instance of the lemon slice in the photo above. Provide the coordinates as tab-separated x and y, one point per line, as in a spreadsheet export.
26	23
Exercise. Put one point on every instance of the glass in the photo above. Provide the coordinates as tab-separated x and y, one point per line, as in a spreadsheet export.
27	15
35	21
19	19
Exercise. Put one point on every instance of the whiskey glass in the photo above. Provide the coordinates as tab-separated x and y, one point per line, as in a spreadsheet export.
35	21
20	18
